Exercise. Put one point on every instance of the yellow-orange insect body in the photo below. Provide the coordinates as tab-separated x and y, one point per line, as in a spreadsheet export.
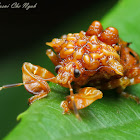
97	57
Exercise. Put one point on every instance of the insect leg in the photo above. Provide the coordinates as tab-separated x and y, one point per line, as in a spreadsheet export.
53	57
82	99
123	85
133	97
34	78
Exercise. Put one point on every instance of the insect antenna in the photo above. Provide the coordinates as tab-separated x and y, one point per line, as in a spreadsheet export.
11	85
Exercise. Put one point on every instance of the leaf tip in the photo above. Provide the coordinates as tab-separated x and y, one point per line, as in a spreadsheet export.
20	116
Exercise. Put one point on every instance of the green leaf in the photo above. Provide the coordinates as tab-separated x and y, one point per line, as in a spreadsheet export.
112	117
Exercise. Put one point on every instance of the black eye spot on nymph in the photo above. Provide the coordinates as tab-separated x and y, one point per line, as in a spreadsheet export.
57	68
76	73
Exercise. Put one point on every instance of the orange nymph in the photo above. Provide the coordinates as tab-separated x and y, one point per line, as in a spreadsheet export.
97	58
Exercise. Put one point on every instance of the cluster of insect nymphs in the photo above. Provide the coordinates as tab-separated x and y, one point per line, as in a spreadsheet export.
97	57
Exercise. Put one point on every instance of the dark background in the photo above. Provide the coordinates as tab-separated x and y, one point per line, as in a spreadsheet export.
23	34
